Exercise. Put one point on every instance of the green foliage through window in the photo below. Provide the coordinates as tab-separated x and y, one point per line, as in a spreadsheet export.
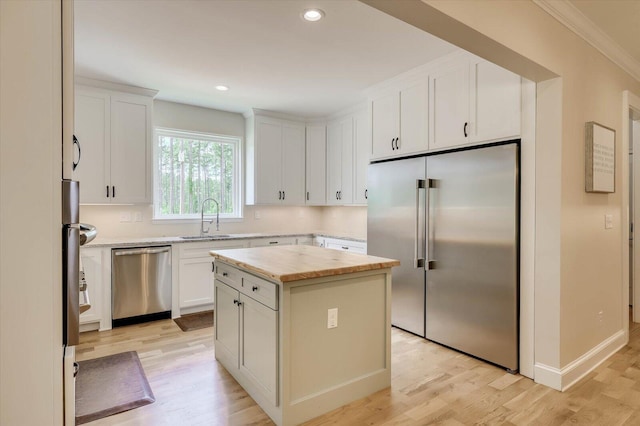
192	167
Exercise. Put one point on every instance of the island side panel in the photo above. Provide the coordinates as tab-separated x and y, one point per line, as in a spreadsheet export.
324	368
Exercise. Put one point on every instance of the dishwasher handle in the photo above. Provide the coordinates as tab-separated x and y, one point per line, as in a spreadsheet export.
139	251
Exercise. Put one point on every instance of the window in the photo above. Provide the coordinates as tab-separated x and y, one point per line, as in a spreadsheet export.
191	167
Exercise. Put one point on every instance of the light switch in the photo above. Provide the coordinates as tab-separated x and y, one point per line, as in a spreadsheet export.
608	221
256	214
332	318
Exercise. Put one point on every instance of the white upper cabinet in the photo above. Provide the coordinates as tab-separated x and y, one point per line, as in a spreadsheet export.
275	161
316	163
473	101
400	120
93	130
340	165
362	136
115	136
450	103
497	102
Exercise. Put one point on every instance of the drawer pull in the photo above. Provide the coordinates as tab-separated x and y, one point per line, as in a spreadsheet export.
345	248
254	288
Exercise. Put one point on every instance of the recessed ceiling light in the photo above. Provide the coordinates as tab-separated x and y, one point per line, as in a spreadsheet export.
222	88
312	15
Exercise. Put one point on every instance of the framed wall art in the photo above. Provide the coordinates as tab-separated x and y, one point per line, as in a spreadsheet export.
600	158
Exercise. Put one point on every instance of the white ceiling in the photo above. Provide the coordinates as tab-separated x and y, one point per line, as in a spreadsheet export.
269	57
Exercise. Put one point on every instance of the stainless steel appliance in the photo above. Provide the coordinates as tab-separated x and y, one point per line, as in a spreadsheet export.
452	219
74	288
141	284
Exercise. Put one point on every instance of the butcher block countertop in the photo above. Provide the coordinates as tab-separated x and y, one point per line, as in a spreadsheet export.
299	262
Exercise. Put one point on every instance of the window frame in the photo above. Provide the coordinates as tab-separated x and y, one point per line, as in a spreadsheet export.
237	187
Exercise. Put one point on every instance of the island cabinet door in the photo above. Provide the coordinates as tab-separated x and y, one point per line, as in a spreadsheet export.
227	323
259	347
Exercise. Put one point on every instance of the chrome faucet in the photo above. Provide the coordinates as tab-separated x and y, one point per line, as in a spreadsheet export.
202	221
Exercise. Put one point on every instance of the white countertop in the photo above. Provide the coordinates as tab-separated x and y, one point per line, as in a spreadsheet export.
164	240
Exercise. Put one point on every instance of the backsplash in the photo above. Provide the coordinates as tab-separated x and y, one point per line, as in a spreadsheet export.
120	221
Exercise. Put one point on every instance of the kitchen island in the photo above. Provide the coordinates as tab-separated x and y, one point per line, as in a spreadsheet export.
303	329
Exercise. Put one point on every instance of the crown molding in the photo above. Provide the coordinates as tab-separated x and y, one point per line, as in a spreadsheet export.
568	15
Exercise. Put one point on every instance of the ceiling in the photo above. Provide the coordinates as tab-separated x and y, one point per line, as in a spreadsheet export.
269	57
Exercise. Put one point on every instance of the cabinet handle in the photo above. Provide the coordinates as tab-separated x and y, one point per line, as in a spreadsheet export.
307	195
392	147
107	191
113	191
213	267
397	140
345	248
224	274
76	143
464	129
279	195
283	195
336	195
254	288
366	194
273	242
340	195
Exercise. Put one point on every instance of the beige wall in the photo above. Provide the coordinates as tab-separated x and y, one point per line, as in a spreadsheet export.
520	36
30	213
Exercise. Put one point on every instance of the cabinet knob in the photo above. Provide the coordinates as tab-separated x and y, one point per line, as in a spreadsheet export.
224	274
254	288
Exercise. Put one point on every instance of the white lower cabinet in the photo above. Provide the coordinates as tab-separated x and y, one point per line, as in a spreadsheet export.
246	334
92	264
195	273
276	241
345	245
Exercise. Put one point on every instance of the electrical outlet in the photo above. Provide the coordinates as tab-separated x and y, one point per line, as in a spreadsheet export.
608	221
125	216
332	318
137	217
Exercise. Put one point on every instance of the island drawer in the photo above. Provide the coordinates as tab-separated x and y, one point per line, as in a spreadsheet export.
229	275
260	290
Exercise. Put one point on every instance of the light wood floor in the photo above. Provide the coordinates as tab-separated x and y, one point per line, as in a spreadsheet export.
430	385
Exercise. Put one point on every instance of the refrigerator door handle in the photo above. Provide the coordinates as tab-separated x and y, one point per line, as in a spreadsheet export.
419	237
432	184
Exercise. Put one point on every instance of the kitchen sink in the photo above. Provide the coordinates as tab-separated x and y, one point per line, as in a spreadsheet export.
205	237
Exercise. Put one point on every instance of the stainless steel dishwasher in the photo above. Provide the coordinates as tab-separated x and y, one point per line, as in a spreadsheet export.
140	284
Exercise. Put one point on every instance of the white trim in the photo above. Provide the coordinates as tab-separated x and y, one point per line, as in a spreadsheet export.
629	102
563	379
571	17
108	85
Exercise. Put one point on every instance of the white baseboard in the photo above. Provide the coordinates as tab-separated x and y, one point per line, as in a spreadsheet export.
563	379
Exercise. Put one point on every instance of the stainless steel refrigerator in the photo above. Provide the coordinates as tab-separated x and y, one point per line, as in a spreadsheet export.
452	220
